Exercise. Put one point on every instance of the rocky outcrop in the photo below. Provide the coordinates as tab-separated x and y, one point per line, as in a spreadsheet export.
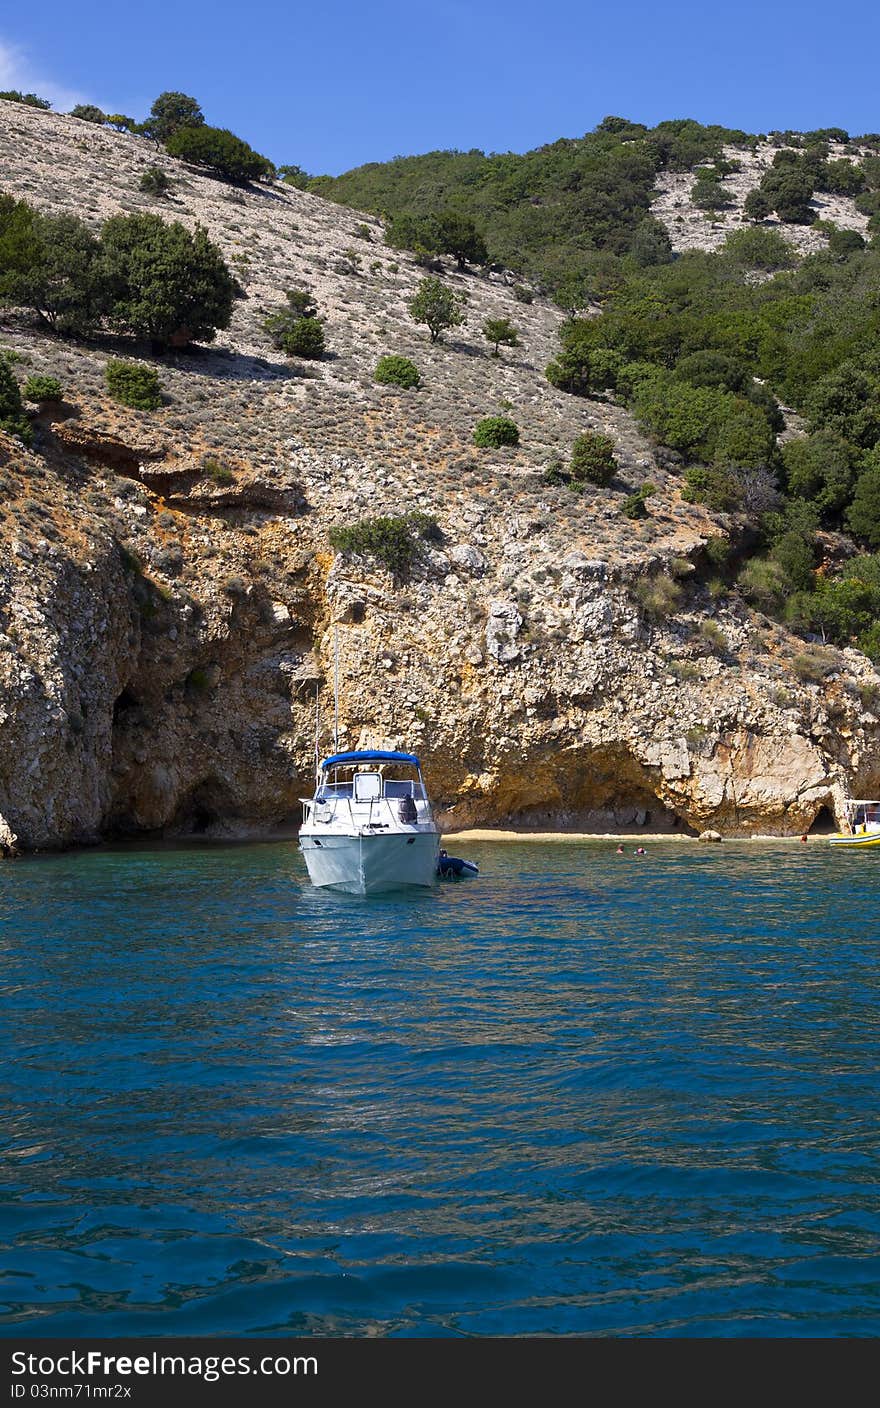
169	599
157	676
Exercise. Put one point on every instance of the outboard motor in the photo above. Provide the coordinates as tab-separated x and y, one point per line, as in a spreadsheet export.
406	811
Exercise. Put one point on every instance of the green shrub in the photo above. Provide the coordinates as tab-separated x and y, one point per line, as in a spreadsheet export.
841	178
87	112
651	244
305	338
659	596
717	550
219	151
813	665
493	432
687	418
756	248
795	555
763	583
713	635
847	400
154	182
868	203
635	505
168	284
712	485
820	467
12	417
397	371
216	470
523	294
592	459
756	205
295	176
845	242
555	472
789	188
708	193
300	304
446	232
392	541
42	388
134	385
711	368
744	438
863	518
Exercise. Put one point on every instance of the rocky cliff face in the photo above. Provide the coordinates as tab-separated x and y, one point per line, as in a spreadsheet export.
164	627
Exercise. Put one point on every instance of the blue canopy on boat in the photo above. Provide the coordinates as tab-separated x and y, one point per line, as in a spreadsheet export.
371	755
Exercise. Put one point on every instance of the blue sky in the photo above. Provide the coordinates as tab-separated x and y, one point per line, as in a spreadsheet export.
334	85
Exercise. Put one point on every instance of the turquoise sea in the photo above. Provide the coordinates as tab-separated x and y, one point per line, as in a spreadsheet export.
585	1094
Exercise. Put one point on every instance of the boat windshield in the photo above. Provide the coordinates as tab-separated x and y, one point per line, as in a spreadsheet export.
863	814
334	788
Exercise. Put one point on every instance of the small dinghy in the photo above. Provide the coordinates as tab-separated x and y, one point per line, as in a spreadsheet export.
454	868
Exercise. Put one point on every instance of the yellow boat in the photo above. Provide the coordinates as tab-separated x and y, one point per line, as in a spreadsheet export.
861	826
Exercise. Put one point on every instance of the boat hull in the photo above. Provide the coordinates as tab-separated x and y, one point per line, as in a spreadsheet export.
859	842
369	865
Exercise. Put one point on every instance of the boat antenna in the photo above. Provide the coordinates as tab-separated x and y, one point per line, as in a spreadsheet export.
317	729
335	689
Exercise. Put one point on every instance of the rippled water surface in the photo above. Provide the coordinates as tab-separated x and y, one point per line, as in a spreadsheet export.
583	1094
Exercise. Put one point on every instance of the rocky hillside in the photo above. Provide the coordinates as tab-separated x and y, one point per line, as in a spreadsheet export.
169	595
692	228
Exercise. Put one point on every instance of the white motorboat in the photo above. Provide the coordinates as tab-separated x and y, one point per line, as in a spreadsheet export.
369	826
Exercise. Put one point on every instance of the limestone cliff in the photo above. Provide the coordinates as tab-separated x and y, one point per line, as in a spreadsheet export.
164	626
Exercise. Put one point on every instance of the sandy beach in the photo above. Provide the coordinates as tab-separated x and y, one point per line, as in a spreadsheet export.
490	834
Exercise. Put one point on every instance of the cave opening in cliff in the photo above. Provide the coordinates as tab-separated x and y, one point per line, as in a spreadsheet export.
824	824
123	704
204	808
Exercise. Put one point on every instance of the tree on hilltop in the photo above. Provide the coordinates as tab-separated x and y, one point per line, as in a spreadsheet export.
294	176
30	100
169	113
